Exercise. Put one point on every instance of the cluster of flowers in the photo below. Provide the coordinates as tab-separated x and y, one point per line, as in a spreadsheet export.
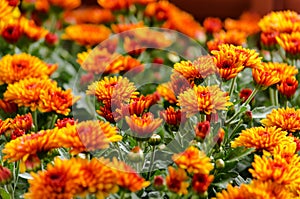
248	82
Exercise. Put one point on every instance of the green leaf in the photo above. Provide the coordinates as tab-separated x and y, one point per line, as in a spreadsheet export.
236	154
4	194
223	179
261	112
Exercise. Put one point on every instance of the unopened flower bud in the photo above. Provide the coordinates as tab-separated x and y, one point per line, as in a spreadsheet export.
5	175
136	154
158	182
220	164
51	38
154	139
247	117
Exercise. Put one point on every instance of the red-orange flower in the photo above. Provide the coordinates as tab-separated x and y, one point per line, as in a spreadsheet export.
288	86
193	160
118	28
31	30
202	129
202	99
212	24
8	107
115	4
165	91
173	117
177	181
201	182
265	76
144	126
86	34
290	43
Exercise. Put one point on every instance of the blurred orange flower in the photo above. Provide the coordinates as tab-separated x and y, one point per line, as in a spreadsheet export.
177	181
122	27
115	4
193	160
165	91
86	34
201	182
212	24
290	43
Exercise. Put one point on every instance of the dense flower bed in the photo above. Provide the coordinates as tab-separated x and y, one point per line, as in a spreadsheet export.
136	99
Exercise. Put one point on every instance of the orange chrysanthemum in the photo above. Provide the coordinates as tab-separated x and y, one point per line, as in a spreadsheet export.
276	169
280	21
262	138
26	146
172	117
179	83
288	86
283	70
86	34
193	160
66	4
202	99
16	67
8	107
165	91
27	92
265	76
4	125
23	122
212	24
287	119
113	90
234	37
118	28
91	14
144	126
31	30
81	57
196	70
96	177
161	10
56	100
60	180
232	193
115	4
127	177
110	132
177	181
85	136
201	182
290	43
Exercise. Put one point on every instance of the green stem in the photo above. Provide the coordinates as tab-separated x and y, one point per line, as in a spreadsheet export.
235	129
276	98
35	121
119	150
151	162
53	120
233	82
256	89
271	93
122	196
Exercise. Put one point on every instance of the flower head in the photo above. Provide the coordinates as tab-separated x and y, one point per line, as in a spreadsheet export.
144	126
290	43
14	68
165	91
212	24
177	181
172	117
115	4
288	119
202	129
31	30
8	107
262	138
202	99
265	76
201	182
5	175
86	34
288	86
193	160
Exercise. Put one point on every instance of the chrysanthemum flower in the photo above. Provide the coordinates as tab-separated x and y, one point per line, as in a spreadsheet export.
106	112
289	42
11	31
280	21
193	160
202	99
66	4
8	107
85	136
283	70
30	145
127	178
115	4
26	92
268	39
196	70
233	37
110	132
5	175
232	193
60	180
31	30
56	100
4	125
177	181
6	12
16	67
245	94
161	9
124	64
23	122
173	117
81	57
86	34
90	14
132	46
165	91
288	119
212	24
60	123
144	126
202	129
121	27
265	76
179	83
276	169
201	182
96	177
288	86
262	138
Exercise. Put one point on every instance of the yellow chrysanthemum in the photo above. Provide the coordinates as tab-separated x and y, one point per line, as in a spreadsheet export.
193	160
81	57
177	181
202	99
196	70
96	177
86	34
280	21
290	42
26	92
6	12
16	67
127	178
26	146
113	90
56	100
60	180
262	138
286	118
265	75
165	91
110	132
144	126
232	193
276	169
84	136
283	70
31	30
